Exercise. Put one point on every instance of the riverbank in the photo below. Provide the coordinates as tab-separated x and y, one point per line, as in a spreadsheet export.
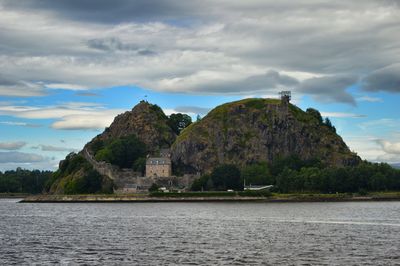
13	195
187	197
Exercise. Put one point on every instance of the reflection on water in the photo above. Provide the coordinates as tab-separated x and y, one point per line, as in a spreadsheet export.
200	233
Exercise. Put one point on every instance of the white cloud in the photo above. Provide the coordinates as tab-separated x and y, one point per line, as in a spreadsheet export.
65	86
341	115
53	148
94	120
20	124
12	145
20	157
370	99
70	115
389	147
386	123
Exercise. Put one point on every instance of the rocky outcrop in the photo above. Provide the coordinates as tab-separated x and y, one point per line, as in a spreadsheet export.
254	130
147	121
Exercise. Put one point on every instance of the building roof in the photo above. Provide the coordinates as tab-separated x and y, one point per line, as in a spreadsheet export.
158	161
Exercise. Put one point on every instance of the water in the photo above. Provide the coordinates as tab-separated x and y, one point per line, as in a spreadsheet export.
351	233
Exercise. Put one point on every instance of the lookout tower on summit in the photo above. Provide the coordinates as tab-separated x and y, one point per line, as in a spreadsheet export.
286	96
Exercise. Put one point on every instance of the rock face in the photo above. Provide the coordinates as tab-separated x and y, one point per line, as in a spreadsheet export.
254	130
147	121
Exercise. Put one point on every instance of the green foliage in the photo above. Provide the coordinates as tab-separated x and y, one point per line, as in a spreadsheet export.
91	182
202	184
154	187
364	177
255	103
157	109
140	165
315	113
76	176
255	193
23	181
123	152
257	174
328	123
178	122
225	177
292	175
292	162
97	145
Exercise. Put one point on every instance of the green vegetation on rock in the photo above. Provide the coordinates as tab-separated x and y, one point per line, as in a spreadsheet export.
76	176
258	130
124	152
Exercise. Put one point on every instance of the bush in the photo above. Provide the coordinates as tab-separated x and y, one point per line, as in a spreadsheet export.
226	177
257	174
154	187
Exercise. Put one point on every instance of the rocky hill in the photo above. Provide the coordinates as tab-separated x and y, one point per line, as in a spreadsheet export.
78	174
240	133
254	130
147	121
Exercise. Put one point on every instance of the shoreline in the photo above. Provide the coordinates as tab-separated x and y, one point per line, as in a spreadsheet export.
14	195
150	199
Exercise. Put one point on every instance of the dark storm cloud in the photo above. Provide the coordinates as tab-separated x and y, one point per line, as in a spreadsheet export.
115	45
14	87
256	83
385	79
106	11
111	44
330	89
201	46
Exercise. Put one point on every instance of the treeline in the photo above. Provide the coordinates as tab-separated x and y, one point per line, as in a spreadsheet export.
292	175
24	181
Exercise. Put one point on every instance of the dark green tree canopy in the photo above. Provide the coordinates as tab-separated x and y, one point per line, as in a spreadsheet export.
123	152
315	113
225	177
178	122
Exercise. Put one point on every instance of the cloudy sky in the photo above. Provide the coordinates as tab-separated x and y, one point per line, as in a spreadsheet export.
68	67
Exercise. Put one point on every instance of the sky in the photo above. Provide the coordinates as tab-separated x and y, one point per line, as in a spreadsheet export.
67	68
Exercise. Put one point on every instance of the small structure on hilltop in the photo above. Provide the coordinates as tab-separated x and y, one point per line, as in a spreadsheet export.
160	166
286	96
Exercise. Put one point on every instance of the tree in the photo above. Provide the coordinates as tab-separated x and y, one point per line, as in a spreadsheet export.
154	187
257	174
225	177
123	151
140	165
202	183
316	114
178	122
328	123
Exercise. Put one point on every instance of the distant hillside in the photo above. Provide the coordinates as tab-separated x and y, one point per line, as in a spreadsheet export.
395	165
254	130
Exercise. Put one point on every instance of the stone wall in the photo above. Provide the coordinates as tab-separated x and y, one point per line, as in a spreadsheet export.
129	181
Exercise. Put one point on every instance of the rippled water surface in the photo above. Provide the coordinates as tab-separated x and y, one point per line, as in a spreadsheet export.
350	233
